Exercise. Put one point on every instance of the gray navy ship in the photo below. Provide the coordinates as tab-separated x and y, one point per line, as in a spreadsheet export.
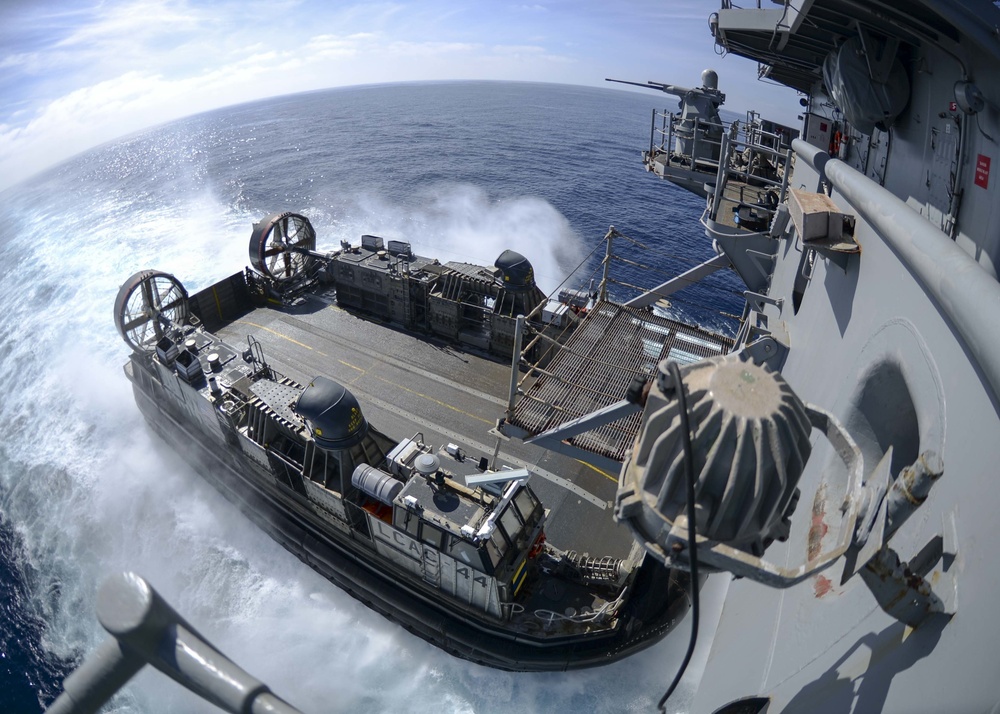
824	475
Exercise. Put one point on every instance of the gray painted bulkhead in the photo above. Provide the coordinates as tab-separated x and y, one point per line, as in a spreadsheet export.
870	342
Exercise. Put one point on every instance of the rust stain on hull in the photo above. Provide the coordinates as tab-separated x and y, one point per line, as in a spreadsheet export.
817	530
822	585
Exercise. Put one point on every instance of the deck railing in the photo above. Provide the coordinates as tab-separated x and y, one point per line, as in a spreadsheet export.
744	173
663	134
146	630
748	152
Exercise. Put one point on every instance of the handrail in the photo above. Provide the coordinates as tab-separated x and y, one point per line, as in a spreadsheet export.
667	133
968	296
145	630
750	139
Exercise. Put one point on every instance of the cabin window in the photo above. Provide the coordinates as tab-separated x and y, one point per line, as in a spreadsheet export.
511	524
412	525
465	552
406	520
496	546
526	504
432	535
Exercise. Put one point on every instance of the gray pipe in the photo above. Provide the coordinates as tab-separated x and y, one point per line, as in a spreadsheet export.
147	629
966	294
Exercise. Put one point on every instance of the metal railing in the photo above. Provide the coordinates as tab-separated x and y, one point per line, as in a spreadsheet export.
752	142
667	131
762	149
146	630
728	171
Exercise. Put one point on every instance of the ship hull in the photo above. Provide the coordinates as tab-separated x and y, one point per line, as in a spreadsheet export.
656	603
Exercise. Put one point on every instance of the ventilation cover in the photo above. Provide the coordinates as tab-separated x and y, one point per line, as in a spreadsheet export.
332	413
750	443
516	273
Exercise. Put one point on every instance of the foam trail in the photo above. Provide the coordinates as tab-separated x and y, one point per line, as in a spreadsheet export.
460	222
88	488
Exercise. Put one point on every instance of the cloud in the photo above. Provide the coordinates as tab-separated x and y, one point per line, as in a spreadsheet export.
89	72
134	22
93	114
24	60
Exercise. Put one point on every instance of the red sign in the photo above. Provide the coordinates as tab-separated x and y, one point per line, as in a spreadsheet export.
983	171
953	106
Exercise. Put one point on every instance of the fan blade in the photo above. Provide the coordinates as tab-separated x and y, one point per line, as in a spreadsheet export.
131	325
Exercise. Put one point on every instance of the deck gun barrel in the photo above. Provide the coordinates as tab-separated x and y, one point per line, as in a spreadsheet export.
666	88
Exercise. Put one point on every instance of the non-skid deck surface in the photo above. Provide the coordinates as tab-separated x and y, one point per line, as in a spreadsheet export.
408	384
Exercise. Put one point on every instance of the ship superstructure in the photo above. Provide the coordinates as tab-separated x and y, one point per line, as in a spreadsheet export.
837	458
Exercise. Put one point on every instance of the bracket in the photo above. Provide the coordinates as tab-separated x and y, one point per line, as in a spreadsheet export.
903	589
759	300
878	54
767	350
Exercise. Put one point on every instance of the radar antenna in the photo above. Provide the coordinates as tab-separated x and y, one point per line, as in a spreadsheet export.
147	305
281	246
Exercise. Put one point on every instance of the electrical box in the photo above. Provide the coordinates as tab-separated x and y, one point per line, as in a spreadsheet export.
818	131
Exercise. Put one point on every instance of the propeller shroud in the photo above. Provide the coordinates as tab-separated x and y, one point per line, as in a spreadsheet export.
280	246
147	303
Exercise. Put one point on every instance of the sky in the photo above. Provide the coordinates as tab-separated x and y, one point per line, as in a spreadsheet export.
78	73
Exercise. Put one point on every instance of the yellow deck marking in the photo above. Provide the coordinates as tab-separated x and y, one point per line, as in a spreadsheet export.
284	337
348	364
436	401
602	472
362	372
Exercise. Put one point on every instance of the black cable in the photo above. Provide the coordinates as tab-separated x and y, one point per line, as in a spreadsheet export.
675	374
981	130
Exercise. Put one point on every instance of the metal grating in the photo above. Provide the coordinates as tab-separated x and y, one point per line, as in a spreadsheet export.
594	368
280	398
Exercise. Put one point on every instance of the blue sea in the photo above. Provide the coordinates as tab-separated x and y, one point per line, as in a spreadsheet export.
462	170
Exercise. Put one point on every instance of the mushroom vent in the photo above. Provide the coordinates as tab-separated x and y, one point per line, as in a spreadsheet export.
750	443
427	464
332	413
516	272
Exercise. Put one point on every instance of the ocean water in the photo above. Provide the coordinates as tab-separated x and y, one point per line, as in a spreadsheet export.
462	171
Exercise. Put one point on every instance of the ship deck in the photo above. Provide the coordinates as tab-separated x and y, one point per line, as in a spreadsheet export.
744	200
408	384
743	196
